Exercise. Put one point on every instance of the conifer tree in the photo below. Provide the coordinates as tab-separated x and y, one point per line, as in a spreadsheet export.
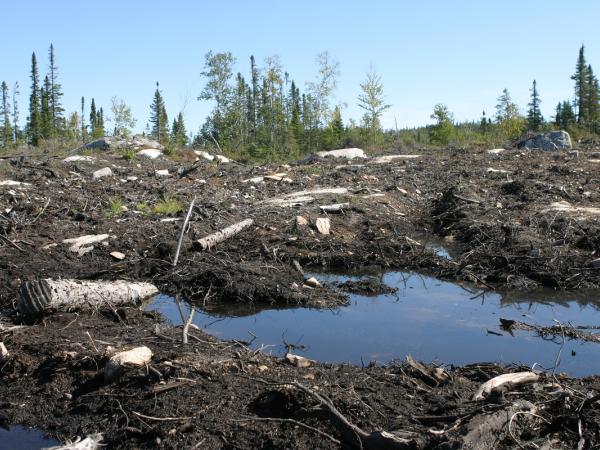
179	134
33	123
45	111
581	86
54	95
534	114
6	132
593	97
159	120
15	114
93	118
255	92
83	126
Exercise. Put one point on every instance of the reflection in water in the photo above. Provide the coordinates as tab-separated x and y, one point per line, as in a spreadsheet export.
427	318
18	437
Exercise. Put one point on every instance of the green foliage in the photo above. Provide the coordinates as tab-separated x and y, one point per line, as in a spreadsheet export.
372	101
159	120
122	117
535	120
510	122
178	132
6	130
33	124
115	207
129	154
168	206
443	129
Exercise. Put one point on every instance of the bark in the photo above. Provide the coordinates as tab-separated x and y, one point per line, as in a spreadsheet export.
208	242
38	296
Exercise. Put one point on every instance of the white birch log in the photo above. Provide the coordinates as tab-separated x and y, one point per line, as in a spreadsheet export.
211	240
91	442
335	208
37	296
3	352
512	378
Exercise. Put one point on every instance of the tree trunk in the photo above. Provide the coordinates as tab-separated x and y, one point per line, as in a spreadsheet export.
37	296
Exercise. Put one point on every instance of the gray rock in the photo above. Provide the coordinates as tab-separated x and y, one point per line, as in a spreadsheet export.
552	140
101	173
120	143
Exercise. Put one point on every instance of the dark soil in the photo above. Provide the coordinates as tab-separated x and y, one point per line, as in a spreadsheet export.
502	227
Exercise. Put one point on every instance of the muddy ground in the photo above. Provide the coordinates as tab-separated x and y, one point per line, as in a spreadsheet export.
512	219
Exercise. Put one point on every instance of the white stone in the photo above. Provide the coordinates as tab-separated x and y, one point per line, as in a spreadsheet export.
162	173
151	153
118	255
101	173
495	151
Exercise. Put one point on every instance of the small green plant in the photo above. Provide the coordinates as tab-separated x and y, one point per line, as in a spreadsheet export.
169	149
129	154
143	207
115	207
168	206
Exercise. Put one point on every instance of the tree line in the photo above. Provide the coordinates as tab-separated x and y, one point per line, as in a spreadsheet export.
265	114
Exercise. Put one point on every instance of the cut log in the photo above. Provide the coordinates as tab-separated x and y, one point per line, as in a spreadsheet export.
336	208
37	296
116	365
298	361
211	240
501	380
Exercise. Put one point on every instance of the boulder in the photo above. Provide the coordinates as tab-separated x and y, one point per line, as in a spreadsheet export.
151	153
120	143
552	140
348	153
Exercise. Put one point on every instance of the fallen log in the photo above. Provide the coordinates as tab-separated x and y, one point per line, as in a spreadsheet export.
91	442
513	379
208	242
336	208
41	295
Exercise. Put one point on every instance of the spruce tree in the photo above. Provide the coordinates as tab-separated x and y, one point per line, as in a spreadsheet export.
255	92
534	114
46	130
178	131
593	97
83	126
93	118
6	132
558	118
15	114
33	123
159	120
54	95
581	87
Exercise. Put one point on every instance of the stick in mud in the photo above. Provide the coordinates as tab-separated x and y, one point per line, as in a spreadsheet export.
208	242
185	222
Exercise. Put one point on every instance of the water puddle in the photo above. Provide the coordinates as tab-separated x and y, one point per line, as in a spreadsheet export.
430	319
22	438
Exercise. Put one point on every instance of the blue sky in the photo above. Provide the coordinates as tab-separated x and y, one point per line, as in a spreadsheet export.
461	53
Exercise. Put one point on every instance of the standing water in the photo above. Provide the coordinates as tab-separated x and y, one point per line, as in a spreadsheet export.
18	437
431	320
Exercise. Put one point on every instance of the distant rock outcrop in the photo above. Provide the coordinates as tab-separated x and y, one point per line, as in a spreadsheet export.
120	143
552	140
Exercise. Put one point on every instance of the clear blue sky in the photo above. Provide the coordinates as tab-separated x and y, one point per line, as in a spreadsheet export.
461	53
